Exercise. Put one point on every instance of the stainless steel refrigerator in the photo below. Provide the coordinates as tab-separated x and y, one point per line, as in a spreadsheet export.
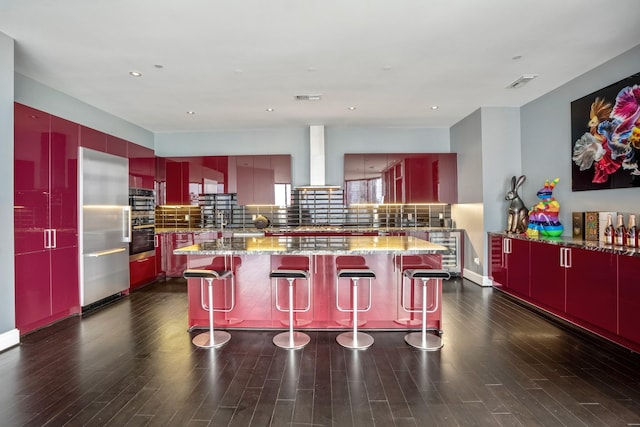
104	224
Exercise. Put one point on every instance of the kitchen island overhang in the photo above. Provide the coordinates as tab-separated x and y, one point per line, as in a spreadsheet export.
252	258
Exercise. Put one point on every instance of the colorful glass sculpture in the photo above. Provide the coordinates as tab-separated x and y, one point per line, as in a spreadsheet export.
543	217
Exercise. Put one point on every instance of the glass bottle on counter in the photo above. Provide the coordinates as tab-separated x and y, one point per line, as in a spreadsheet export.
609	231
621	232
632	232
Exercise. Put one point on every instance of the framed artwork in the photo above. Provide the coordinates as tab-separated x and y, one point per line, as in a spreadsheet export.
605	137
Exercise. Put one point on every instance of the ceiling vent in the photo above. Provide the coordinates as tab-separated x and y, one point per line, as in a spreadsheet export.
522	80
308	97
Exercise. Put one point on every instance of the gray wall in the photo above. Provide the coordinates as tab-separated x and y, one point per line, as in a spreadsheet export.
37	95
7	296
493	135
293	141
546	143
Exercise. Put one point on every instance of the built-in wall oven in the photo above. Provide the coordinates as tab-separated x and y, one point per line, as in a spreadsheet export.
142	202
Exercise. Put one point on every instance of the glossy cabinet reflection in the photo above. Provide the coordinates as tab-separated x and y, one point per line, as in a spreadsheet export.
182	179
45	218
402	178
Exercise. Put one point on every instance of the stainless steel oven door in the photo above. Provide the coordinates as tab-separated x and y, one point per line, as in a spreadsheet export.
142	239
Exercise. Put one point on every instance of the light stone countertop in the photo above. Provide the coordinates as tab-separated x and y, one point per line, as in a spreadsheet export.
314	245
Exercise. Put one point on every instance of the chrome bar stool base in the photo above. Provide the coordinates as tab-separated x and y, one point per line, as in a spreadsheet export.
359	341
211	338
428	342
422	340
291	340
203	340
354	339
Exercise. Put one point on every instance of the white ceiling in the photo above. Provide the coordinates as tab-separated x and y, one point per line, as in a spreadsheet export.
231	60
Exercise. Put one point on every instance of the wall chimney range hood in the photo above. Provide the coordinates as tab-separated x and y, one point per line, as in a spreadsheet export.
317	161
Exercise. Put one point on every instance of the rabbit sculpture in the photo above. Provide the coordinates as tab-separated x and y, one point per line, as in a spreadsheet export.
518	214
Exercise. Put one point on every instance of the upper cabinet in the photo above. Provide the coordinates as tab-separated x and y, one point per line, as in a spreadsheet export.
142	166
401	178
256	177
45	180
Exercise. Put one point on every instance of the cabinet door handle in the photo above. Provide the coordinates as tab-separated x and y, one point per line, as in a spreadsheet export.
562	257
45	234
155	241
54	234
567	258
126	225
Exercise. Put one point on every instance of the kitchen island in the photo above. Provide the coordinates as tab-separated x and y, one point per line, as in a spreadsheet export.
252	258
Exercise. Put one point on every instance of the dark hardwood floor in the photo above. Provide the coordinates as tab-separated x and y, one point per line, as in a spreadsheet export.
132	363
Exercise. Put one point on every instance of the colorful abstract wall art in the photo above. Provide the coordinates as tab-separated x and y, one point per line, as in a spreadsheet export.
605	134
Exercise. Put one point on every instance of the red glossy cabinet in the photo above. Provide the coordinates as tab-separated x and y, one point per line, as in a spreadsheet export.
45	219
629	297
142	166
410	177
592	288
548	271
510	264
177	183
117	146
142	271
93	139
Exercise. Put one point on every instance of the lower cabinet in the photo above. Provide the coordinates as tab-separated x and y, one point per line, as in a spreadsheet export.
592	288
174	265
629	297
46	287
510	264
142	271
548	272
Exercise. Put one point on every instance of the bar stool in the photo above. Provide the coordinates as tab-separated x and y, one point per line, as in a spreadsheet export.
354	339
291	339
211	339
422	340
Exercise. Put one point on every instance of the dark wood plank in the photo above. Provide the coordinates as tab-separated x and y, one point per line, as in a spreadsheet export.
132	363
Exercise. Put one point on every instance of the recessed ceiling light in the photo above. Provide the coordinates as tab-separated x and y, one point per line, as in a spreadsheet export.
191	112
312	69
352	108
434	107
159	66
270	109
135	74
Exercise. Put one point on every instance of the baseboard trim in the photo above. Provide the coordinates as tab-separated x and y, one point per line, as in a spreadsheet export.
9	339
478	279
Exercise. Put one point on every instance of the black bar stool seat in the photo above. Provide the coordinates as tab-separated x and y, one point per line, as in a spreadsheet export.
422	340
291	339
213	338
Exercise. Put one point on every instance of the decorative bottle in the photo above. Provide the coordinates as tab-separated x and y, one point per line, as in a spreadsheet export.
621	232
632	232
609	231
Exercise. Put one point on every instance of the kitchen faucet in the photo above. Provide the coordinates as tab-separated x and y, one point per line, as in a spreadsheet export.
220	219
